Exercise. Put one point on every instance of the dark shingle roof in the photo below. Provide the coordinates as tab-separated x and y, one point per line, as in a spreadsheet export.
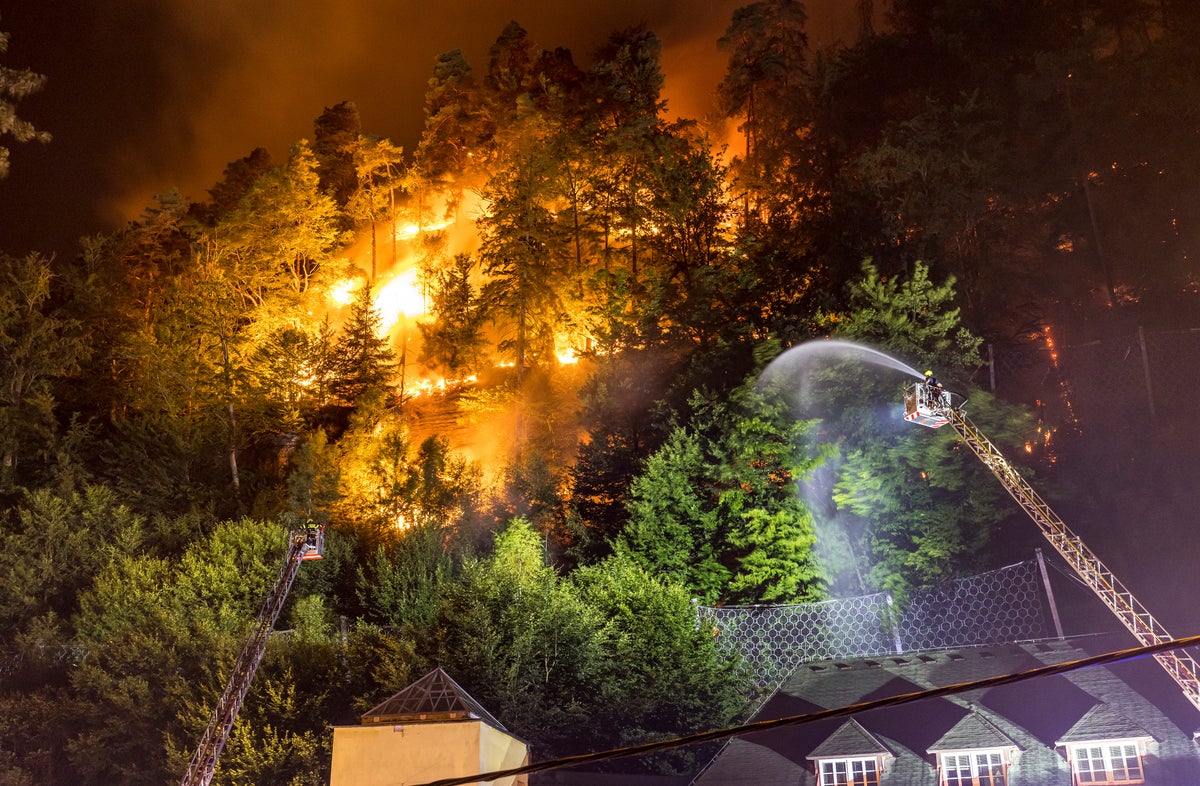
973	731
1102	722
1031	715
850	740
434	697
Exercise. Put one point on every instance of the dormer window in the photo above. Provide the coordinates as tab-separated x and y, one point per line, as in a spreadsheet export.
850	772
851	756
1106	747
973	768
1108	762
974	752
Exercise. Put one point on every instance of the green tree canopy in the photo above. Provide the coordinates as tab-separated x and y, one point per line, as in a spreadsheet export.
716	507
37	345
905	507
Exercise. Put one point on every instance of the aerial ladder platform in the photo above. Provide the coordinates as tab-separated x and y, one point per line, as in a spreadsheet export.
303	546
927	404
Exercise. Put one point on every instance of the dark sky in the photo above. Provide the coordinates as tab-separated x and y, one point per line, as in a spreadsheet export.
144	95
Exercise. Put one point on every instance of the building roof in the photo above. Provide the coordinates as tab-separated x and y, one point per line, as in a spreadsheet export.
850	739
433	698
971	733
1102	722
1129	699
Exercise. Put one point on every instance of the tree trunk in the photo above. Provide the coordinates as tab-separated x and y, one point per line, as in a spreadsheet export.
233	466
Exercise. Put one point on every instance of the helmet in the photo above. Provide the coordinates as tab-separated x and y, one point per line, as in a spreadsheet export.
929	373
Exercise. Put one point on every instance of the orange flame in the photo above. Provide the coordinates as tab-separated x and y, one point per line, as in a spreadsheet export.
343	292
398	298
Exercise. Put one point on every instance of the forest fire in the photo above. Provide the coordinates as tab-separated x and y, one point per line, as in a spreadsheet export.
412	230
342	294
509	359
399	299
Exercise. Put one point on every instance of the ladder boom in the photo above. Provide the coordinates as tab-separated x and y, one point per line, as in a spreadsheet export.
1182	667
208	751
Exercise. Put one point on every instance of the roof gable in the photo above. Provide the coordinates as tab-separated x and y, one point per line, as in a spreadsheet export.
1102	722
434	697
850	740
973	732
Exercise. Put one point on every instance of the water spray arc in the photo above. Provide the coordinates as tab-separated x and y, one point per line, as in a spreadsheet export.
794	361
928	404
812	376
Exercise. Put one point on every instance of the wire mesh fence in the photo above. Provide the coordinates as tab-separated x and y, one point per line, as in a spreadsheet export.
1136	379
65	656
1000	606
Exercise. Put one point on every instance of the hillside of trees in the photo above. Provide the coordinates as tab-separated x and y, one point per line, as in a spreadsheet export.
601	288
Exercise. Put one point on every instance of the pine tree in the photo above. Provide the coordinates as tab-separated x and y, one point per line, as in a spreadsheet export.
37	345
454	340
16	84
364	360
912	509
716	508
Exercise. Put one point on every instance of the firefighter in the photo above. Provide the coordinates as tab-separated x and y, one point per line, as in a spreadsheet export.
933	389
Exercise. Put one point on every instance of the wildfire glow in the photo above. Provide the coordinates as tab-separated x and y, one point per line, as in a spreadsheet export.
409	231
343	293
399	297
425	387
567	356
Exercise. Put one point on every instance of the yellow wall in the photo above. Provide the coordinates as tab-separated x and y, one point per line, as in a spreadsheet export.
405	754
500	751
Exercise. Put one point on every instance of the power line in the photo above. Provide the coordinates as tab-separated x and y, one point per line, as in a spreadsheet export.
796	720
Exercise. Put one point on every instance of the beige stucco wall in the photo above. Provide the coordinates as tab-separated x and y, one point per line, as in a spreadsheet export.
406	754
500	751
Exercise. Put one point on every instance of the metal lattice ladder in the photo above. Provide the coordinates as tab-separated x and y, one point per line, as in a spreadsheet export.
1182	667
208	751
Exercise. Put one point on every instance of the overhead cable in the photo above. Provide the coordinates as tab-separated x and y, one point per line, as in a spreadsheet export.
841	712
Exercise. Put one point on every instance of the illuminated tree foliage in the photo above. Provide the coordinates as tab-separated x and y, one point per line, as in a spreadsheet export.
912	507
387	485
520	249
551	655
453	340
1000	162
716	507
379	173
766	87
363	360
16	84
278	243
452	121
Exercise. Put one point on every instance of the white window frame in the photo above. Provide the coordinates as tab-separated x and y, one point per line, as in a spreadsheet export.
979	762
850	771
1107	753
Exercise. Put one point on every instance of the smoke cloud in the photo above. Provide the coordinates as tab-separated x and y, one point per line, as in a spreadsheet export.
146	95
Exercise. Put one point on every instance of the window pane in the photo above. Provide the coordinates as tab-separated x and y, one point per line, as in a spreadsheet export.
850	772
956	770
985	768
1119	763
991	769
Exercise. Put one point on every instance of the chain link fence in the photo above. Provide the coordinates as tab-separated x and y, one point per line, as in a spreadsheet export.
60	657
1136	380
997	607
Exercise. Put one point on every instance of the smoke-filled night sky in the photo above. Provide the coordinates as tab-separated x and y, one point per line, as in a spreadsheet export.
144	95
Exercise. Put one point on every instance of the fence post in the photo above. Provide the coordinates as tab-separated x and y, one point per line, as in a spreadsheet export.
1146	371
1049	593
895	620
